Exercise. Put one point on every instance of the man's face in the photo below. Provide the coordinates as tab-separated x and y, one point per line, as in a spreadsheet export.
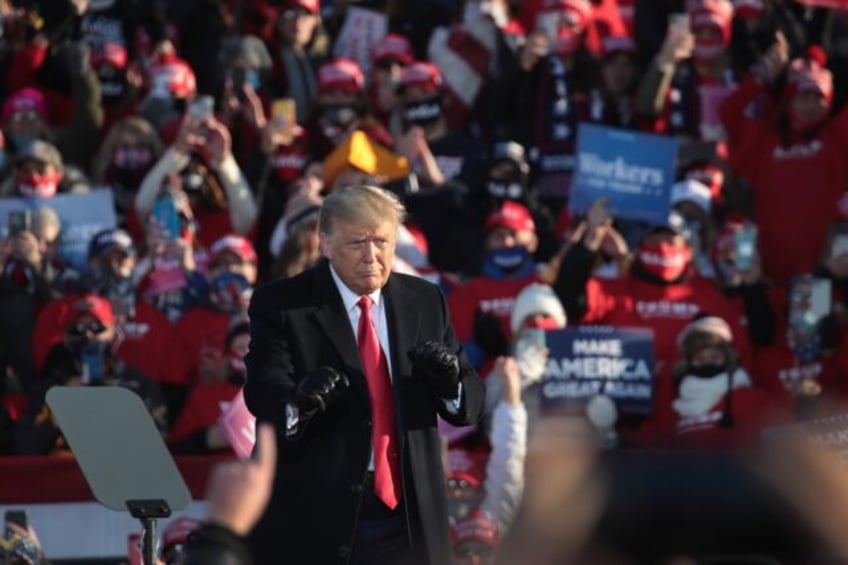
502	237
26	124
120	263
809	107
361	253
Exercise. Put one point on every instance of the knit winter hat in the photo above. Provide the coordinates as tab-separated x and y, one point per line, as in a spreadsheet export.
703	332
536	298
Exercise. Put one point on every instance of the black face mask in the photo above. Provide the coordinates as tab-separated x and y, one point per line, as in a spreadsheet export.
113	86
505	189
423	113
707	371
339	115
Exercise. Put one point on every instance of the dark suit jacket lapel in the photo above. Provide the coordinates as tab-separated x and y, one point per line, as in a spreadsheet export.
403	322
335	323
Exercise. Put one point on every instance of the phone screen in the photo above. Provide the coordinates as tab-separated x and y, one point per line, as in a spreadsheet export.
19	221
745	242
821	298
92	367
202	107
284	111
532	337
167	216
679	21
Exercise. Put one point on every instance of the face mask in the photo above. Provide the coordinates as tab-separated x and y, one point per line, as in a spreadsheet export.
113	85
509	259
230	292
707	371
33	185
707	52
339	115
506	190
665	261
567	43
423	113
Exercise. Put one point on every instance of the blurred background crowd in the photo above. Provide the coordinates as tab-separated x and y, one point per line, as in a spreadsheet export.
212	130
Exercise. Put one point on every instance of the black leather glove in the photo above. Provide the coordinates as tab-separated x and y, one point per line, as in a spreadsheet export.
488	334
315	392
432	362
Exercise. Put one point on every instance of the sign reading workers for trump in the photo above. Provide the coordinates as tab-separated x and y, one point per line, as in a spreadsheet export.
634	170
589	360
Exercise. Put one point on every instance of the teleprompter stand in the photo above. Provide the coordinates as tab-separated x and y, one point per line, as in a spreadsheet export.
121	454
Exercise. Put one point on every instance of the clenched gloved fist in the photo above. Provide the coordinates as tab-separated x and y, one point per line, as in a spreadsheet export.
432	362
318	390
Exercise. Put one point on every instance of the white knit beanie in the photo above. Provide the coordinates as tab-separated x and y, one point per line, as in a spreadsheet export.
536	298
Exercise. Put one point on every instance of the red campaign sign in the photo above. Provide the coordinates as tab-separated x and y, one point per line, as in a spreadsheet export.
239	426
835	4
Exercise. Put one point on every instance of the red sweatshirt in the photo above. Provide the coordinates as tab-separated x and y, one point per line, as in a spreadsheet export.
487	295
665	309
198	331
797	183
147	337
203	407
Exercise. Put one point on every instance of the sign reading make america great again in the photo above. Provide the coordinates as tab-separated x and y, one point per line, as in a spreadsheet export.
589	360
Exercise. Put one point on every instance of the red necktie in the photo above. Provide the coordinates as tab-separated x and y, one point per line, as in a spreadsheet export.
383	438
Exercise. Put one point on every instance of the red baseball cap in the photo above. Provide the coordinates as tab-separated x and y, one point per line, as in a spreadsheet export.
23	100
340	73
175	76
95	306
109	53
311	6
393	46
235	244
511	215
422	74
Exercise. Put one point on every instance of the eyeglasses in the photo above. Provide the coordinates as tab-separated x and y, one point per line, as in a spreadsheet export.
83	328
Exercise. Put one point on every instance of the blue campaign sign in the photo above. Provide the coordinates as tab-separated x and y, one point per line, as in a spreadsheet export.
590	360
82	216
635	170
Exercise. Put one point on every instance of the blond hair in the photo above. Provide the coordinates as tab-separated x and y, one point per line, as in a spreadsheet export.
361	204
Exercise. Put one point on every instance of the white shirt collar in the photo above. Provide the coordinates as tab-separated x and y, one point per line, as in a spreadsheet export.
349	298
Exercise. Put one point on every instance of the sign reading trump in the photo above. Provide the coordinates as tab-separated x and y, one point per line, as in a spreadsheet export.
589	360
634	170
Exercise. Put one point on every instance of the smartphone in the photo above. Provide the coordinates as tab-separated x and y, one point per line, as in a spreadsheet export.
202	107
839	245
167	216
821	298
18	518
679	21
745	245
19	221
92	366
284	111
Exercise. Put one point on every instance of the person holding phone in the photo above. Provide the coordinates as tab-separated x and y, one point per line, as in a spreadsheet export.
85	356
798	144
221	200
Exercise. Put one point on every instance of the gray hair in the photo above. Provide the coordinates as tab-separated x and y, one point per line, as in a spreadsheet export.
365	204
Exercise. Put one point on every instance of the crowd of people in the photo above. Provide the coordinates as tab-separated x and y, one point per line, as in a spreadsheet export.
218	128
